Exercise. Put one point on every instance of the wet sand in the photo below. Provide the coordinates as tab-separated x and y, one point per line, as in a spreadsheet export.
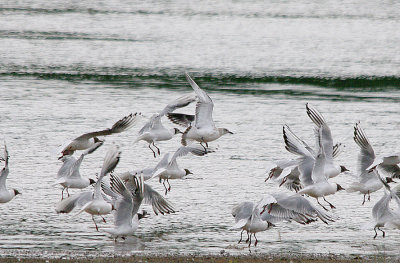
206	259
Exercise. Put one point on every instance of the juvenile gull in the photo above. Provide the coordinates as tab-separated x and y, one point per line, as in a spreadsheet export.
87	140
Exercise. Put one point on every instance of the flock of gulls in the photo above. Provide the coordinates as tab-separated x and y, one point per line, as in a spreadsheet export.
307	174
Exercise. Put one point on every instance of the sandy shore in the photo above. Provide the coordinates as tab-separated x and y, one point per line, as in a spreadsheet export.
204	259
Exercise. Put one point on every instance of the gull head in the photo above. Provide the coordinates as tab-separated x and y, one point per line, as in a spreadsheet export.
389	180
176	131
144	214
339	187
91	181
16	192
343	169
66	152
97	140
188	172
223	131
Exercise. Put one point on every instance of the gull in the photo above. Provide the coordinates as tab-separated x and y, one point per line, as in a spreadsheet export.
331	169
320	187
247	217
286	172
301	167
274	208
87	140
6	195
387	163
204	129
173	171
93	202
69	176
368	181
149	196
154	131
146	172
383	215
126	218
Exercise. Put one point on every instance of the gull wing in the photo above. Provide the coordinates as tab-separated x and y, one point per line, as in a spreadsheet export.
392	170
381	211
294	144
110	162
204	107
5	171
242	211
325	131
122	125
159	203
68	162
184	120
77	200
195	149
366	156
318	172
300	205
123	204
178	103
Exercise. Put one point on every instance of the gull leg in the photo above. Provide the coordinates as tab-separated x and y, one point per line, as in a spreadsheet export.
67	192
363	200
376	233
241	235
158	149
154	153
332	206
270	208
169	186
255	244
165	187
383	232
322	205
95	223
205	149
248	237
104	220
62	194
270	174
250	241
369	196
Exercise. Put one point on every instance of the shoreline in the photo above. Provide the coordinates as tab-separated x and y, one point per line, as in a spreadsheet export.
292	258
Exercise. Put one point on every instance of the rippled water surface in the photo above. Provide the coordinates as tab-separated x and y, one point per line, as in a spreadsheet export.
67	68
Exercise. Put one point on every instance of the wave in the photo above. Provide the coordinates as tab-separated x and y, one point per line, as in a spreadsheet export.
176	78
54	35
177	11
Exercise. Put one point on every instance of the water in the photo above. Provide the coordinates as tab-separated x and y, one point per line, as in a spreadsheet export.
69	67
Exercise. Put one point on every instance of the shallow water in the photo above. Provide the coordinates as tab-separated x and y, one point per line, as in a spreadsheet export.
67	68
